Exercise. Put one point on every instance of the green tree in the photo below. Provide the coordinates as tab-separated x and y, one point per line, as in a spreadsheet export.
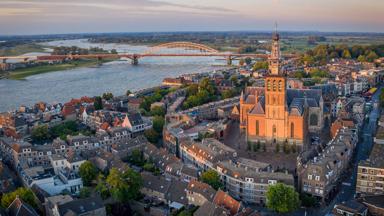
282	198
101	187
158	111
98	104
128	92
136	157
192	89
347	54
228	93
114	51
260	65
24	193
372	56
85	192
124	186
152	135
158	124
87	172
277	147
107	96
361	58
40	133
212	178
307	200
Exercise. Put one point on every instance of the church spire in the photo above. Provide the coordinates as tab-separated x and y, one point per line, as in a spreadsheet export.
274	58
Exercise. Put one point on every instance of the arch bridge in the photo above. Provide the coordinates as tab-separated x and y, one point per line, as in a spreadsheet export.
184	50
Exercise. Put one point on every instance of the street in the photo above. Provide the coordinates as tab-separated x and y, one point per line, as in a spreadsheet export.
347	189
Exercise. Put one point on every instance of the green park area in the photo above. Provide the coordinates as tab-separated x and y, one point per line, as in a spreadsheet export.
22	73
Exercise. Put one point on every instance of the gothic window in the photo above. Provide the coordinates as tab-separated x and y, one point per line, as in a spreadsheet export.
280	85
268	85
257	127
274	131
313	119
274	85
292	130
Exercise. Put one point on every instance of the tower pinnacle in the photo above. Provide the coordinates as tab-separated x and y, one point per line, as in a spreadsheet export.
274	58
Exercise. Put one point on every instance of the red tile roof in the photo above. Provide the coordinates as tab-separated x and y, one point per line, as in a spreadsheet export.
224	200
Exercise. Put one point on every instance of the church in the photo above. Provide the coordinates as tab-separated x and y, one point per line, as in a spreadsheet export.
276	114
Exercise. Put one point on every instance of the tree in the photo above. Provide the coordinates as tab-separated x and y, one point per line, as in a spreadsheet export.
158	111
361	58
228	93
136	157
101	187
372	56
87	172
114	51
277	147
282	198
347	54
25	194
212	178
124	186
294	148
128	92
98	104
107	96
152	136
40	133
85	192
260	65
308	200
158	124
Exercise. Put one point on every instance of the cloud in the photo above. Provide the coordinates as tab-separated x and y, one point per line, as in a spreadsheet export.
142	6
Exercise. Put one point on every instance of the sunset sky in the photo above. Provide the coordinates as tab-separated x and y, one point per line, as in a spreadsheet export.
75	16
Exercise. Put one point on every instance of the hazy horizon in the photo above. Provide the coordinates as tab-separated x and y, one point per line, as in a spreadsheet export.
35	17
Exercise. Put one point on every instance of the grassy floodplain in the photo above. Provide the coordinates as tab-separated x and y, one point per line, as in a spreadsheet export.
22	73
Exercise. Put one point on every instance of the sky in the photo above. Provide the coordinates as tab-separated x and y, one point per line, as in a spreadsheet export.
91	16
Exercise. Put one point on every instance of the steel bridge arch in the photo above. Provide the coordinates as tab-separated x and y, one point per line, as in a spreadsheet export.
182	44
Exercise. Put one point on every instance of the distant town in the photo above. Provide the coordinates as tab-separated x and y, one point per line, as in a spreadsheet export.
274	132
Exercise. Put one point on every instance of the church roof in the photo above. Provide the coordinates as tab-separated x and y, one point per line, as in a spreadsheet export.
301	93
259	108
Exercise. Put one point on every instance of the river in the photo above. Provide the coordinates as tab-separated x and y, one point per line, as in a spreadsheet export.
115	77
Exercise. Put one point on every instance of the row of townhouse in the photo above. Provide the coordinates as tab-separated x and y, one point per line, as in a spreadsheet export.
370	172
321	175
244	179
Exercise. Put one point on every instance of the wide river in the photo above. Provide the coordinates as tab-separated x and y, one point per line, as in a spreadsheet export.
115	77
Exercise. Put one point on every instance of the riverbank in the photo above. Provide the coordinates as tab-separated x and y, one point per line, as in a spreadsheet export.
22	73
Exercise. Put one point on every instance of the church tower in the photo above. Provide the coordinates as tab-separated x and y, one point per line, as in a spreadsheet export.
275	93
274	59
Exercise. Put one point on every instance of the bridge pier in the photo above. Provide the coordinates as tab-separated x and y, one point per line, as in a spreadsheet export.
135	60
229	60
4	60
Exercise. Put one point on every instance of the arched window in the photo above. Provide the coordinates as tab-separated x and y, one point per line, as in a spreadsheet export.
274	85
274	131
268	85
257	127
280	85
313	119
292	130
